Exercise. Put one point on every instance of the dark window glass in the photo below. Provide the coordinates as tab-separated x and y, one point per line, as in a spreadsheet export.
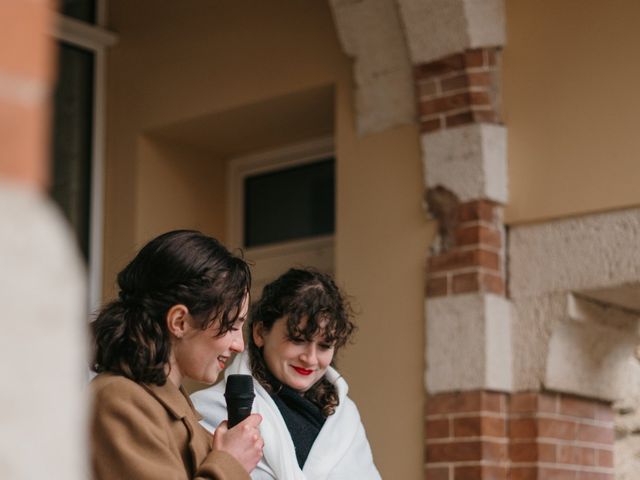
84	10
290	204
72	139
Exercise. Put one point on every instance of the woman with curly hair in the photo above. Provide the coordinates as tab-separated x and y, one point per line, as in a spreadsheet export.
182	303
311	428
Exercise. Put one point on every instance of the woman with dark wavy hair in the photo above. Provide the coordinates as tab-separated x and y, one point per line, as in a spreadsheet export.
182	303
312	429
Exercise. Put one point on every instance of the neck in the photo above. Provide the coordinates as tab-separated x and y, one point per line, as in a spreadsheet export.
174	376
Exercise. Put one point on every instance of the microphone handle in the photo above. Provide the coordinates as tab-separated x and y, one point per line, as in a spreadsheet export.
239	408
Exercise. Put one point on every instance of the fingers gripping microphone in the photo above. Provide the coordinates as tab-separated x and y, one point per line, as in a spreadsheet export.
239	396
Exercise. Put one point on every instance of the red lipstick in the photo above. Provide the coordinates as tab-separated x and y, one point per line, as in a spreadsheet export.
302	371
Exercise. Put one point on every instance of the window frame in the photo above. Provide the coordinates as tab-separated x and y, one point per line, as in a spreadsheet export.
282	158
96	39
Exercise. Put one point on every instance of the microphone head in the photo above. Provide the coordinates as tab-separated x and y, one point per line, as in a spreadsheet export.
239	396
238	384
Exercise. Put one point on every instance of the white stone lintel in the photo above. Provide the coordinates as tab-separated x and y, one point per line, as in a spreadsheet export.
438	28
468	343
470	160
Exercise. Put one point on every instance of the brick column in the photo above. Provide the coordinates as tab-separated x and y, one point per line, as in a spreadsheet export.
466	436
474	262
459	89
479	434
42	346
560	437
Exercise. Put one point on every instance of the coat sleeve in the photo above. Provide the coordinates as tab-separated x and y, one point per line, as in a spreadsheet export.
353	458
131	439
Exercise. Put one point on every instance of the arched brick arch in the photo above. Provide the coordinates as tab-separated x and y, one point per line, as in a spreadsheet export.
437	63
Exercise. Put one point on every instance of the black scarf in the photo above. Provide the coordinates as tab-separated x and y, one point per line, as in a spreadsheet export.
303	418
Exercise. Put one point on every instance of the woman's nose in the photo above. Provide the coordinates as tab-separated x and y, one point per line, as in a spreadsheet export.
309	354
237	343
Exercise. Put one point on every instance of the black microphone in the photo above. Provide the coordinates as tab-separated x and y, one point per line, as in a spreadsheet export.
239	396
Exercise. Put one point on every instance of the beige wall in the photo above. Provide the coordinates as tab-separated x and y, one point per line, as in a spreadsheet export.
190	68
178	187
382	239
571	104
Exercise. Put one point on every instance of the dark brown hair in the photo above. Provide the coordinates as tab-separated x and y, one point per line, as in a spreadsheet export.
130	335
298	295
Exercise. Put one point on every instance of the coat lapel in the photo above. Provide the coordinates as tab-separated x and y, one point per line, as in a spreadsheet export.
176	401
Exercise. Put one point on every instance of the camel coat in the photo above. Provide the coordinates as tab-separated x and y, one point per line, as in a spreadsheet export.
148	432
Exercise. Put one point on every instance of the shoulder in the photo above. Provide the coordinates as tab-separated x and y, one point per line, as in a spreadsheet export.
115	395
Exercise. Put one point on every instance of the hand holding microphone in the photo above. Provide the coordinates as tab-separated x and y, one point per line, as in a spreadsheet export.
244	442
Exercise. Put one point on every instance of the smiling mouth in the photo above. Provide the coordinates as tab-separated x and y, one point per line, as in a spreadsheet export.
302	371
222	361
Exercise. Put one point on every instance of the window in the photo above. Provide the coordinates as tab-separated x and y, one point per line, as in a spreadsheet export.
73	139
282	209
77	137
289	204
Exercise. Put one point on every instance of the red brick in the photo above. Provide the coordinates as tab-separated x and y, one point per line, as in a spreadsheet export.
492	56
445	104
526	402
27	47
23	135
436	473
605	458
463	118
427	88
548	402
457	259
494	451
454	452
478	234
576	455
593	434
479	426
522	428
547	452
604	412
553	428
453	260
492	283
457	402
430	125
523	452
523	473
493	401
436	286
556	474
577	407
484	116
455	83
477	210
475	58
478	472
440	67
437	429
479	98
532	451
480	79
594	476
465	282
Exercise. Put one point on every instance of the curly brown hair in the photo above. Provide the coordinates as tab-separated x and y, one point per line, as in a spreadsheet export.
130	334
312	304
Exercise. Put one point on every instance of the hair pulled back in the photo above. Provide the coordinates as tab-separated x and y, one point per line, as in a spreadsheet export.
184	267
299	295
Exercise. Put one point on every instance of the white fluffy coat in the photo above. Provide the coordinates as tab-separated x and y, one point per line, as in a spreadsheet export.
340	452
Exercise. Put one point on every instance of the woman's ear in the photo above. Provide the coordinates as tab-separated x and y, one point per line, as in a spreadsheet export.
178	320
257	333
